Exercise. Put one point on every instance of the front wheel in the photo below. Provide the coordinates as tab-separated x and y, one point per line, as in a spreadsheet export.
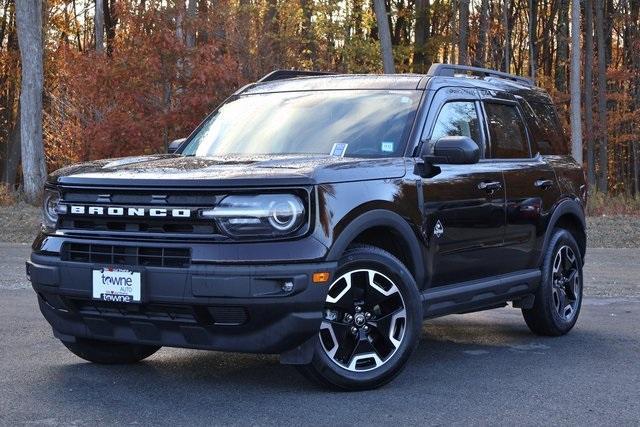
371	325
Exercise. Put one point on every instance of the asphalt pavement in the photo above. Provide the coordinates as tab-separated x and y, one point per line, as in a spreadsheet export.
482	368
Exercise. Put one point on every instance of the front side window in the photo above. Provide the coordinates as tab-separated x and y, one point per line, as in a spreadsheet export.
458	118
350	123
507	132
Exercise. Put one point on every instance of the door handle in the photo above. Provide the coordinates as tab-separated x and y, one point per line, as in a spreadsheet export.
490	185
543	183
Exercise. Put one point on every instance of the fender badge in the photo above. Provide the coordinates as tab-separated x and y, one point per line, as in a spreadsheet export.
438	230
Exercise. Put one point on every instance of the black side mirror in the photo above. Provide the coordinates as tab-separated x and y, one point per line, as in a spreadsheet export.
175	144
455	150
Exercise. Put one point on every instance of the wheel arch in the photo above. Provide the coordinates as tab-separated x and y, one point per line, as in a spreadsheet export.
568	215
386	230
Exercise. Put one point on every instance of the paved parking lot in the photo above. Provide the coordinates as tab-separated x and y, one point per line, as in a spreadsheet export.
483	368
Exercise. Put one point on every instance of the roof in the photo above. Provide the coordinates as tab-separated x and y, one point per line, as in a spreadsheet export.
517	87
341	81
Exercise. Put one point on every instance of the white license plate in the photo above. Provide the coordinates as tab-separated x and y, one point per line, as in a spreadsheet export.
117	285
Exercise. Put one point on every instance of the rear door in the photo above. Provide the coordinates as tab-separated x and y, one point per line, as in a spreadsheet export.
464	205
530	183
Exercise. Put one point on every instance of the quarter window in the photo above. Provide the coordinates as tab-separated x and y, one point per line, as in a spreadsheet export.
458	118
507	132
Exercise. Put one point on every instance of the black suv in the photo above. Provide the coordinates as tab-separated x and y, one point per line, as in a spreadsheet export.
322	218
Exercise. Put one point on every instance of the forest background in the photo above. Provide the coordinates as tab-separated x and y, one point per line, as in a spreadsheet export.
88	79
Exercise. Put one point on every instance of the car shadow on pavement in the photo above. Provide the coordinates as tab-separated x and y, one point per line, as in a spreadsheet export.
457	342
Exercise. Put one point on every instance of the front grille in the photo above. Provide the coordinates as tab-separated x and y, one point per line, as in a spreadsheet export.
127	255
161	227
203	315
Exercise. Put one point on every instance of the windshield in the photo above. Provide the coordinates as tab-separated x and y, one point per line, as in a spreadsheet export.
353	123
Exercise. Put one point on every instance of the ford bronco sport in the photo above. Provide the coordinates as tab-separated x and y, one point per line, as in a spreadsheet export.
322	218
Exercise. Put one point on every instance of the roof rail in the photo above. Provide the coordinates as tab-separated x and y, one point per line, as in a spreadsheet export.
290	74
450	70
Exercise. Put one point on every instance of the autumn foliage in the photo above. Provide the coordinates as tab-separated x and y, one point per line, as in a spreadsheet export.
149	91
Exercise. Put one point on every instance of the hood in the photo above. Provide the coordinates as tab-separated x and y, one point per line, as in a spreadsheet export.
168	170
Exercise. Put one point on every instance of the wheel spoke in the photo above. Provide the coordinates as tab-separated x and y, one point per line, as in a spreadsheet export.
341	294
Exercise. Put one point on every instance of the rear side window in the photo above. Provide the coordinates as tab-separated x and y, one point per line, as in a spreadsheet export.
507	132
549	135
458	118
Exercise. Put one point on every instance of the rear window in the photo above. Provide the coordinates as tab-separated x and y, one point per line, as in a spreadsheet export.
546	131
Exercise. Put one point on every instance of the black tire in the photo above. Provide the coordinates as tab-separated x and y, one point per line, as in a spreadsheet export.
326	370
548	316
110	353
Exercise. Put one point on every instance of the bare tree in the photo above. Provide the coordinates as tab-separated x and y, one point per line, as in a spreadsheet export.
483	31
576	123
191	29
463	46
507	35
421	30
29	25
533	38
562	52
98	23
588	90
384	34
602	99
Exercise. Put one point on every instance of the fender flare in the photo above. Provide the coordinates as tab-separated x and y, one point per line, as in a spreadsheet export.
383	218
566	206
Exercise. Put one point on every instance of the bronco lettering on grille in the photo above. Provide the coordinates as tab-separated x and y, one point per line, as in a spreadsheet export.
129	212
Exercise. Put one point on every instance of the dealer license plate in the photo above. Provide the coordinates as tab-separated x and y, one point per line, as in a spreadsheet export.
117	285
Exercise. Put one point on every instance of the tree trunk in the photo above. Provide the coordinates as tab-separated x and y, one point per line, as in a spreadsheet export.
98	22
110	22
463	46
602	99
384	34
576	122
483	31
244	18
533	38
588	90
562	53
190	40
635	66
507	36
29	24
307	31
421	31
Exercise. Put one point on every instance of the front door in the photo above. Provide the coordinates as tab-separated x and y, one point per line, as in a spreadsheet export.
464	205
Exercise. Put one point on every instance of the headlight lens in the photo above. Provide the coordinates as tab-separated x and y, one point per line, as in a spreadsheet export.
51	208
264	215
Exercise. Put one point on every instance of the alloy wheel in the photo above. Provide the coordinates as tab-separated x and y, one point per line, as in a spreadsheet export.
566	283
364	320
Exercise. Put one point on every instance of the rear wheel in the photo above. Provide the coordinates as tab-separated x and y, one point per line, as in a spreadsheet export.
110	353
559	298
372	322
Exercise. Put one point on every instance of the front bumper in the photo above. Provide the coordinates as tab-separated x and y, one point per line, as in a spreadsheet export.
240	308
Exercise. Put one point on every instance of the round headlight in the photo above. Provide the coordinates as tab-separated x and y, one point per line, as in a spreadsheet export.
51	202
284	214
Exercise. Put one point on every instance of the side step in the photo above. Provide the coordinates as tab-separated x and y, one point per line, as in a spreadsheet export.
477	295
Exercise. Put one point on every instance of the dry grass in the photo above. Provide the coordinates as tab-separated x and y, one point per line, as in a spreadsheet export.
7	196
599	204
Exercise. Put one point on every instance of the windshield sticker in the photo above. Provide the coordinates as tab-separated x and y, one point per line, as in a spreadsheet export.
387	146
339	148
